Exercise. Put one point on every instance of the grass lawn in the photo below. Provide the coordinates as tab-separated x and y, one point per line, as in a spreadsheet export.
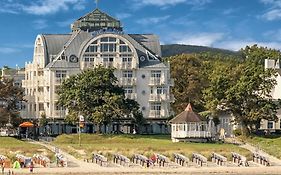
132	144
10	147
271	145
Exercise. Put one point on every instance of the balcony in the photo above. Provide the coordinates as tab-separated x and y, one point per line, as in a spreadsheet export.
132	96
156	113
24	83
154	97
59	113
126	66
108	64
40	83
40	96
87	64
156	81
162	97
58	81
127	81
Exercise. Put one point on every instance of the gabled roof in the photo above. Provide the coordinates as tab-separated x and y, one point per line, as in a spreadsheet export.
95	21
188	115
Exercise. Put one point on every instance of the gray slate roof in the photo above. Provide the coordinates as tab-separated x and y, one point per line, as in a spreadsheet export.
73	45
54	44
149	41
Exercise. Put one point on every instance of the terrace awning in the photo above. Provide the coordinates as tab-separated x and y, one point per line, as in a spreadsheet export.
26	125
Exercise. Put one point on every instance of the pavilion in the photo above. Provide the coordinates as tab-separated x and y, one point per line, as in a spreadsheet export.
190	126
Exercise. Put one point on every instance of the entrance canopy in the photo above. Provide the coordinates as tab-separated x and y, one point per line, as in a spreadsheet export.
26	125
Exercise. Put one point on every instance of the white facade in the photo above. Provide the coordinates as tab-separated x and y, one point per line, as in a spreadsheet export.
276	94
137	60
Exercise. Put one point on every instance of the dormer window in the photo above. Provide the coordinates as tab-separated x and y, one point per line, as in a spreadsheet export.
63	57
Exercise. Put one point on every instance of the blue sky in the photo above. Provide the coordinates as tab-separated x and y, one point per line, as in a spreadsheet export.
228	24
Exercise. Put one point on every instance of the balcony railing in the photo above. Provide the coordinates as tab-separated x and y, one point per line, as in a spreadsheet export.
24	83
156	114
108	64
40	83
58	81
59	113
127	81
87	64
127	66
40	96
162	97
132	96
156	81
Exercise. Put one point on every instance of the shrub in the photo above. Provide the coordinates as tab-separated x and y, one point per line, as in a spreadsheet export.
237	132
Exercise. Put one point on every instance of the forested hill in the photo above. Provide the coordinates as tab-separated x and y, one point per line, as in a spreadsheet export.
176	49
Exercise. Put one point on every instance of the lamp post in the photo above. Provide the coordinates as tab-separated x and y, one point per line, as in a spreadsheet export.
81	125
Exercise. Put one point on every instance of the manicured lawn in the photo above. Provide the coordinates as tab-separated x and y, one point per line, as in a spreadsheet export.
132	144
271	145
10	147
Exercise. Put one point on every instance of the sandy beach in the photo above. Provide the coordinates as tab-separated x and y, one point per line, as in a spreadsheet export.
97	170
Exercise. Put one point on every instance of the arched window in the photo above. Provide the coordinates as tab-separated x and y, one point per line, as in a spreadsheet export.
111	51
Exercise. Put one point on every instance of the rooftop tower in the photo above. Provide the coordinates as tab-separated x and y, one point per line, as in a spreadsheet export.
95	21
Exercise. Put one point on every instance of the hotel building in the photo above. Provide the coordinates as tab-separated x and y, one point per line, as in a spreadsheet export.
98	39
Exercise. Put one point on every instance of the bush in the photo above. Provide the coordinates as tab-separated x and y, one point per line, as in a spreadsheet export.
237	132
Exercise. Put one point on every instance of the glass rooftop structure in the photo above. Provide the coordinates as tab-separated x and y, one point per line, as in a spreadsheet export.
96	20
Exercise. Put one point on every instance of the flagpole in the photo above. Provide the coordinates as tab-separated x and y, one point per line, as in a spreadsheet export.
97	2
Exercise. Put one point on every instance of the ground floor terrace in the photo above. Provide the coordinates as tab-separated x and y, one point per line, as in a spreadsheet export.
58	127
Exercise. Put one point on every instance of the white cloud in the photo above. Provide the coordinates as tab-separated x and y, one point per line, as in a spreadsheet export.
123	15
271	15
8	50
166	3
229	11
274	10
200	39
275	3
65	23
238	44
159	2
40	24
273	35
50	6
153	20
40	7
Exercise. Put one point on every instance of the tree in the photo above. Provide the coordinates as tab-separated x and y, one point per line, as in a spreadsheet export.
10	98
43	122
244	88
189	82
95	94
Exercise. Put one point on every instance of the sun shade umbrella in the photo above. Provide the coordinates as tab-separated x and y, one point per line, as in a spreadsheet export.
26	125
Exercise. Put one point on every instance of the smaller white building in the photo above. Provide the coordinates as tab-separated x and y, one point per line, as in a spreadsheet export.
190	126
274	126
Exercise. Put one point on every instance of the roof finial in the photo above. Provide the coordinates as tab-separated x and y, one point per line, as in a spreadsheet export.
97	3
188	108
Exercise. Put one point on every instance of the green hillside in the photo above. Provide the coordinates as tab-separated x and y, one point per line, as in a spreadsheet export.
176	49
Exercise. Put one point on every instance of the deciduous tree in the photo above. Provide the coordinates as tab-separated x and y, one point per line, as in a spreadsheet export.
95	94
